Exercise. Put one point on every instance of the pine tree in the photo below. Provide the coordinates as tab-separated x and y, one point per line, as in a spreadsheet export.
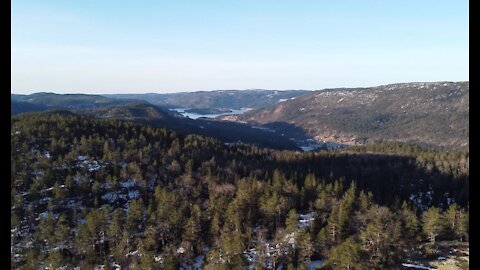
365	201
260	247
147	262
277	181
215	228
106	265
410	224
305	247
333	227
55	259
134	219
150	241
62	230
116	225
346	209
347	255
232	247
432	224
451	219
310	187
31	260
380	237
292	220
69	183
122	248
58	192
47	230
461	228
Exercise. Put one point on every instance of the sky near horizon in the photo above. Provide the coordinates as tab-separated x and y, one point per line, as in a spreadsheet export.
100	47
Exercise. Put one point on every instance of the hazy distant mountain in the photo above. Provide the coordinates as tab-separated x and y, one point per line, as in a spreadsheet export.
45	101
432	113
220	99
22	107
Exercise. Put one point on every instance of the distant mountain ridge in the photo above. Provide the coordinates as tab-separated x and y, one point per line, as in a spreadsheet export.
427	113
422	112
46	101
218	99
143	112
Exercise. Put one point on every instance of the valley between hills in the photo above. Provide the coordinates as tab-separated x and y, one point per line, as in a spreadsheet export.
357	178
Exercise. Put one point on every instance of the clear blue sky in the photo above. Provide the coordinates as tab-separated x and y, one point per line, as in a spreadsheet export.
125	46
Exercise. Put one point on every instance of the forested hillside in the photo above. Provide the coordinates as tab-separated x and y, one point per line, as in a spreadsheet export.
50	101
18	107
429	113
228	132
144	112
217	100
92	192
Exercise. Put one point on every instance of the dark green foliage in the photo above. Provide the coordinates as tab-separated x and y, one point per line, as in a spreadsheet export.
347	255
291	221
113	191
432	223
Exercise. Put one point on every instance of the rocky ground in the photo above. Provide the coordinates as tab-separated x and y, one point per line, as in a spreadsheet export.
445	255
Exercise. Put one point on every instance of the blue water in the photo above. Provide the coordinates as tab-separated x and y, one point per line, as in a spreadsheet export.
196	115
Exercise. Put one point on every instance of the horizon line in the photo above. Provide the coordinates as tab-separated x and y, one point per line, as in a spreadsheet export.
12	92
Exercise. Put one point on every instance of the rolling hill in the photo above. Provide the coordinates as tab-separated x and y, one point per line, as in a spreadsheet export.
228	132
47	101
435	114
216	101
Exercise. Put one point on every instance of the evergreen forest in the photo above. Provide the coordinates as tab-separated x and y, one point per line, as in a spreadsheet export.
91	193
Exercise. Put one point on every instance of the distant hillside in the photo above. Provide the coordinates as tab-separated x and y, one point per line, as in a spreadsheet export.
134	111
227	132
220	99
144	112
22	107
45	101
426	113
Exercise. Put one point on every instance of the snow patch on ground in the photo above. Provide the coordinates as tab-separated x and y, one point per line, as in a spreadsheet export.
113	196
123	164
132	253
250	255
134	194
409	265
197	265
128	184
305	220
316	264
263	128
